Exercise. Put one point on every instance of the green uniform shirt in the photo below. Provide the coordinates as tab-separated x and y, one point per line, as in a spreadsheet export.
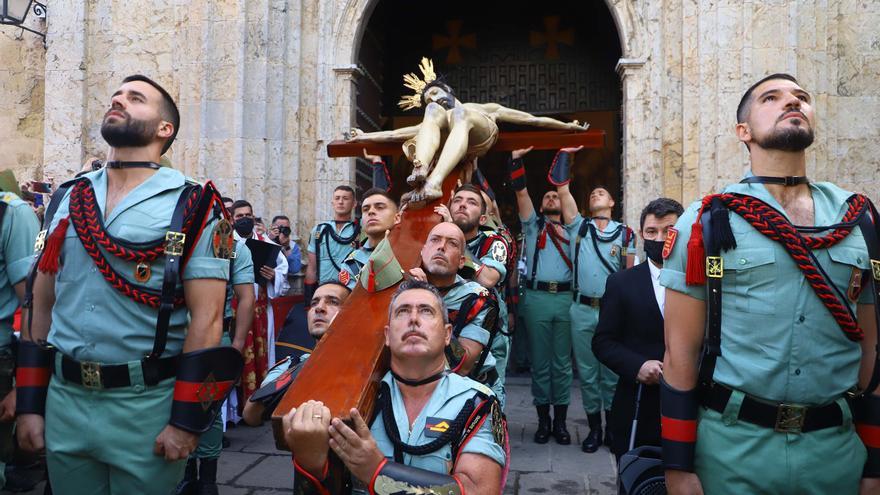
92	321
591	272
242	273
447	400
474	329
332	252
353	265
778	341
18	230
551	266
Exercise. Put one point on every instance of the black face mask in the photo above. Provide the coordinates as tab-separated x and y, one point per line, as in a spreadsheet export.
244	226
654	251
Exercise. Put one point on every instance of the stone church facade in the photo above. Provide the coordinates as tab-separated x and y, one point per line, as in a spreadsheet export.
264	85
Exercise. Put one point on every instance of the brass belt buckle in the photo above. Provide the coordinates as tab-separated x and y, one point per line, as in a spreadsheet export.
789	418
174	243
90	372
552	287
594	302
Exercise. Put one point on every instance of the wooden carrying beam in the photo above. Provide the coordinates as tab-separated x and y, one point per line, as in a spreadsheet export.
507	141
349	361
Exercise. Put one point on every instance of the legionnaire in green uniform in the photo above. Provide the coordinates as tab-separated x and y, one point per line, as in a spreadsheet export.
600	247
781	266
473	309
378	214
332	241
18	230
435	431
546	303
322	310
200	476
128	292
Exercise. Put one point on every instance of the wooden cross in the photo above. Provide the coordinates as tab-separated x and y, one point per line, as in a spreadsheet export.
553	37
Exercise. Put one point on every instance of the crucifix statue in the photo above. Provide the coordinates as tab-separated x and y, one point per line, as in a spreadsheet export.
450	133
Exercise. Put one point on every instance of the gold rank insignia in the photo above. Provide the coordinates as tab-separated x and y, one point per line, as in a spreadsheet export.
714	266
875	269
222	240
142	272
613	251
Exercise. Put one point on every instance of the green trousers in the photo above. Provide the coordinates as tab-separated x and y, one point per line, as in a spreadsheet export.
549	330
101	441
736	457
597	381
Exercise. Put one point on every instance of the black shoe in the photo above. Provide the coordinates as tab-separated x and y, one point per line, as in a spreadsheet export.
560	432
594	438
190	483
542	435
208	477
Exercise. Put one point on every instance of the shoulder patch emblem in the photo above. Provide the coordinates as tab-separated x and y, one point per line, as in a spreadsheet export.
499	252
222	240
344	277
434	427
499	426
670	242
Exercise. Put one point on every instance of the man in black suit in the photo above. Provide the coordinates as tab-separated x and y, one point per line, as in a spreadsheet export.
629	337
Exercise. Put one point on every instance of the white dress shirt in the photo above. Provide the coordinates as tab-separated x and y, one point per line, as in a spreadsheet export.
659	290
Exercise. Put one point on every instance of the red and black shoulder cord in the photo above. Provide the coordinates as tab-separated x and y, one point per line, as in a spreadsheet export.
195	207
711	234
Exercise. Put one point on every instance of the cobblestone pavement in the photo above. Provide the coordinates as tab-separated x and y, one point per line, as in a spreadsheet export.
253	466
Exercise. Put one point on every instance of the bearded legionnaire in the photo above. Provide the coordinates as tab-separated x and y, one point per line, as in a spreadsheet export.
200	476
18	230
128	295
473	309
434	432
545	304
600	247
488	263
378	215
470	130
771	322
323	307
332	241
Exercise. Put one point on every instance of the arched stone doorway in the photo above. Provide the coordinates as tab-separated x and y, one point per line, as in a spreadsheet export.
553	60
360	33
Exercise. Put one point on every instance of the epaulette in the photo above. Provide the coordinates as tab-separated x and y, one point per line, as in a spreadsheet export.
479	387
480	290
8	197
350	256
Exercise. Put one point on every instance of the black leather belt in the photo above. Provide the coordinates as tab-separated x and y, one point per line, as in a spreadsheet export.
784	418
551	287
98	376
589	301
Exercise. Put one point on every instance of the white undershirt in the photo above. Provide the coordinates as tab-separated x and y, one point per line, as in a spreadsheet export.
659	290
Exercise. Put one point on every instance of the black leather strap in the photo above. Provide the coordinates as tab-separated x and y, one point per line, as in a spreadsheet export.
782	181
712	341
588	301
118	164
870	227
172	275
423	381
